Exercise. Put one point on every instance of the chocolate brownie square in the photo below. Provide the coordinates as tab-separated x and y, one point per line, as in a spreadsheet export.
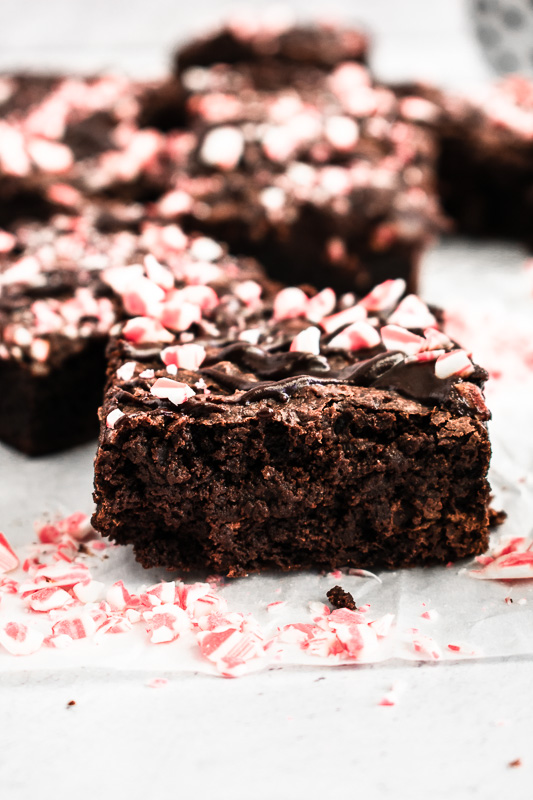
325	181
485	160
274	53
58	303
294	430
60	136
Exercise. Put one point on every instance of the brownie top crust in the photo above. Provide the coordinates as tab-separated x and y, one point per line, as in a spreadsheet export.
70	281
254	348
259	42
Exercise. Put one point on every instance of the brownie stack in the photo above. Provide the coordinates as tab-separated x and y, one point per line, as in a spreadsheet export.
295	406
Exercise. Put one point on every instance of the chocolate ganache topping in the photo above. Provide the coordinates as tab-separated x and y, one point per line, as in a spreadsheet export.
257	345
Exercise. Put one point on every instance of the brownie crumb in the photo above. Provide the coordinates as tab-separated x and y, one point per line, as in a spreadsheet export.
516	763
496	517
71	703
341	599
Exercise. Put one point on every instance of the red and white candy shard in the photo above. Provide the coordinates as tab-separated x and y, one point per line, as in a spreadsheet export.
249	292
357	336
320	305
89	592
426	647
8	557
184	356
356	313
436	340
307	341
290	303
384	296
511	560
49	598
145	329
165	623
223	147
62	574
118	597
19	639
175	391
454	363
113	417
230	648
158	274
412	312
397	338
79	625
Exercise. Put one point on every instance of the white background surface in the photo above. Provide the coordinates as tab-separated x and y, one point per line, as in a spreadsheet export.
296	733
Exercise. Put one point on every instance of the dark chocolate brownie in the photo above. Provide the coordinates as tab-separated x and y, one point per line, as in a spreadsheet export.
303	431
485	162
82	133
326	181
57	307
274	53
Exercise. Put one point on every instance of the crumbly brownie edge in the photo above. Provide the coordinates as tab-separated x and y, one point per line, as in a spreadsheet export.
354	477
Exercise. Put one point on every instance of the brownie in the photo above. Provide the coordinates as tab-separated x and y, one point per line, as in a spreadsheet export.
274	53
485	160
82	133
299	430
341	599
57	307
325	181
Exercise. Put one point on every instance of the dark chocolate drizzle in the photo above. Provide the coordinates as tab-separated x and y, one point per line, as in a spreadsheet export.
387	370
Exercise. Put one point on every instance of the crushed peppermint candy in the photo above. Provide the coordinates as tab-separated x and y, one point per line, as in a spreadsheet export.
511	559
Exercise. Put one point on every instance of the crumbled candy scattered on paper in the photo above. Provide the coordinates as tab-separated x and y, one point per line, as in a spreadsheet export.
50	600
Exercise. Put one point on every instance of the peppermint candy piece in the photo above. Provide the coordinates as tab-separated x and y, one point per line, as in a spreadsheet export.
223	147
397	338
455	363
49	598
184	356
289	304
342	132
78	626
8	557
7	241
62	574
412	312
158	274
113	417
144	329
165	623
356	313
143	298
88	592
307	341
384	296
174	391
126	371
249	292
50	156
321	305
358	336
19	639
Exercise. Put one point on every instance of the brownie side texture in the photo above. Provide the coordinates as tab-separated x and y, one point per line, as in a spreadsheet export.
334	477
45	412
485	155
